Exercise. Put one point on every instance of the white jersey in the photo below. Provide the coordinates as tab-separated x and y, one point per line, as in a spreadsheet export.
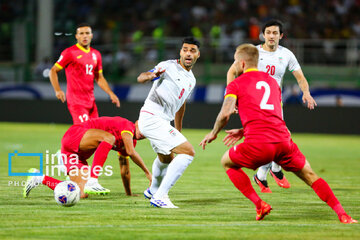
170	90
275	63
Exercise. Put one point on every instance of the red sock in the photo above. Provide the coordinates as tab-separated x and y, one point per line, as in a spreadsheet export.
50	182
325	193
242	182
99	158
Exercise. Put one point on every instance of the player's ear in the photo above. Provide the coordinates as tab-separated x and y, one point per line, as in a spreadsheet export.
281	35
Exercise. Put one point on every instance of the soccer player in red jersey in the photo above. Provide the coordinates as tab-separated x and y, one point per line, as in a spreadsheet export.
82	65
96	136
258	97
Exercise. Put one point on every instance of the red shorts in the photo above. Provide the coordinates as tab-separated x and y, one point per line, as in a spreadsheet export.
81	113
70	148
254	155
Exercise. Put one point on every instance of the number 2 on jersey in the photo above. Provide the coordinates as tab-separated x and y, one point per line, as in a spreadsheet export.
270	69
266	96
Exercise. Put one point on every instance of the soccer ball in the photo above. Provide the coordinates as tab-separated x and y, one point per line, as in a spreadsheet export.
67	193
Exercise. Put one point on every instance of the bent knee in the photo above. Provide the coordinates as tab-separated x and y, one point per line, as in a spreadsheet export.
191	151
109	138
226	161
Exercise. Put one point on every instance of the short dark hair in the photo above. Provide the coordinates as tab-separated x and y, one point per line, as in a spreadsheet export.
82	25
273	22
191	40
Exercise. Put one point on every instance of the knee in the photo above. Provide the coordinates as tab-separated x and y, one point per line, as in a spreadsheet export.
226	163
191	151
109	138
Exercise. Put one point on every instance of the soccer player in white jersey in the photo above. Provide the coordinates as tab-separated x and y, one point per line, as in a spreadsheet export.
173	82
274	59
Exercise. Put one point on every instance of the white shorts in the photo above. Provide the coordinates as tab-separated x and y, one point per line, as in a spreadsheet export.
162	136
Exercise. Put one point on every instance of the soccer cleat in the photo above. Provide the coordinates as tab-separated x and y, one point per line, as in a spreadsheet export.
347	219
280	179
148	194
95	188
263	211
163	202
31	182
264	188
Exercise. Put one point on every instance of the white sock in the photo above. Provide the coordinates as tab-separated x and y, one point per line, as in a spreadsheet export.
158	172
175	169
263	171
60	164
275	167
39	179
92	181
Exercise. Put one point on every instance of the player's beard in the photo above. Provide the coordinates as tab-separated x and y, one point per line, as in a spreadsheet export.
188	65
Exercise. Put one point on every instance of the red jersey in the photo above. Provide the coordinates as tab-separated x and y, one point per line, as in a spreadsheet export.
114	125
81	68
259	104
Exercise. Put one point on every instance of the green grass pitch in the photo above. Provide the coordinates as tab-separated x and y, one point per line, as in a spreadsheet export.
210	206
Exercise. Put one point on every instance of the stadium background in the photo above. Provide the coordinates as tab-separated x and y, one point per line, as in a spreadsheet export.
133	36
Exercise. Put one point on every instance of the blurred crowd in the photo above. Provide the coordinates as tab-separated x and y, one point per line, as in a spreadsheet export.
332	18
219	23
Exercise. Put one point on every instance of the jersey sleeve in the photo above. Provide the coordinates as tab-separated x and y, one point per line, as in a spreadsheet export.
64	59
293	62
127	127
232	90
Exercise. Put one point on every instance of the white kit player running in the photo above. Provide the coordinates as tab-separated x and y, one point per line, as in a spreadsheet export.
274	59
173	82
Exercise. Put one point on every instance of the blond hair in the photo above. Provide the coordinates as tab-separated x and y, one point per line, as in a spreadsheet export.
249	53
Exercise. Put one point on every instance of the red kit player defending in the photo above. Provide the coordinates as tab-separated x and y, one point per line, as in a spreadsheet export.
82	65
267	139
96	136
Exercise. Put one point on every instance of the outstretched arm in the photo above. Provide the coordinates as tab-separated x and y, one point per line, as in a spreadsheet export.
148	76
130	150
222	119
304	86
125	173
233	136
53	75
103	84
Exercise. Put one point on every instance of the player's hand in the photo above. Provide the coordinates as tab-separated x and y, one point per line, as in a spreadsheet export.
307	98
157	74
233	136
60	95
114	99
207	139
149	177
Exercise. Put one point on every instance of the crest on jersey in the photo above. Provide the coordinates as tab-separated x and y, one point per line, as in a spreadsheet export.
94	57
172	132
280	59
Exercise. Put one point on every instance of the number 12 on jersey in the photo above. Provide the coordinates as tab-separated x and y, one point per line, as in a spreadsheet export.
266	96
89	68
